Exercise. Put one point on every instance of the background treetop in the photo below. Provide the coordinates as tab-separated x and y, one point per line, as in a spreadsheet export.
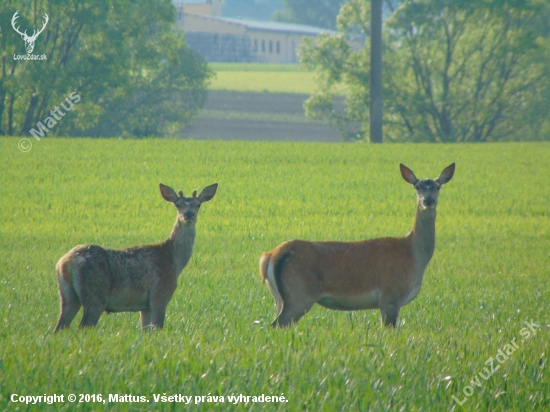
454	71
127	61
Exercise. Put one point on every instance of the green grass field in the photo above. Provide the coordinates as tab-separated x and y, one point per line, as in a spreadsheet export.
260	77
488	276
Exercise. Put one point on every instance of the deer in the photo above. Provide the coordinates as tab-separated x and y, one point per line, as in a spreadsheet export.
29	40
383	273
140	278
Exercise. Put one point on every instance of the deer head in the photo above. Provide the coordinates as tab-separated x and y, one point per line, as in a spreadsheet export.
29	40
188	207
427	190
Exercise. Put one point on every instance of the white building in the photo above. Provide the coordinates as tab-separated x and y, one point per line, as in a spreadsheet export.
237	40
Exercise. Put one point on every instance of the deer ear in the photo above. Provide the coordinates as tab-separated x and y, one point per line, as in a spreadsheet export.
168	193
446	174
208	193
408	174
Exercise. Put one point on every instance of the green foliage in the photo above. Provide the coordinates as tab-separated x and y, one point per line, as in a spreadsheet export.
336	65
454	71
310	12
131	67
489	274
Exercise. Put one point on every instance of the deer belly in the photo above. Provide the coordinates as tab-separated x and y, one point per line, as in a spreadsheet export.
128	303
412	294
352	302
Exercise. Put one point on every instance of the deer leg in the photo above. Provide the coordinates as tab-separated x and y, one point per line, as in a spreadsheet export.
158	302
297	297
157	315
145	316
70	304
389	313
94	304
91	316
69	309
91	283
292	313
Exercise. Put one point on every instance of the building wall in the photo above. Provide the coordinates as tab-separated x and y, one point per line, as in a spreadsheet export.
275	47
264	45
204	24
214	47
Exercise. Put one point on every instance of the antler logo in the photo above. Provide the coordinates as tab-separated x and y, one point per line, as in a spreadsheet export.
29	40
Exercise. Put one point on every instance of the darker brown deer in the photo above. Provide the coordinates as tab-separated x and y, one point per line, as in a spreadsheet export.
383	274
140	278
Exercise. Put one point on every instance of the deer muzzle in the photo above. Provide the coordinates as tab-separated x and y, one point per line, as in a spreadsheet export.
429	202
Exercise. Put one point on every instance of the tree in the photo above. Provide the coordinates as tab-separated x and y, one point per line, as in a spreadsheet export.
454	70
131	67
310	12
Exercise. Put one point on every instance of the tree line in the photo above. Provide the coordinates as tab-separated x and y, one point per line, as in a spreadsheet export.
453	70
125	59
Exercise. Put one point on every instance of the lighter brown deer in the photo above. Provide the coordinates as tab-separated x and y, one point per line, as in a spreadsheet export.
384	273
140	278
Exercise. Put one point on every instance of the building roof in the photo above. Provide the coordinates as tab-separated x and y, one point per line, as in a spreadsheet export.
277	26
271	26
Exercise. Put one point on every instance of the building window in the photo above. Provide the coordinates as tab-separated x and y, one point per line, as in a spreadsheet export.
180	14
278	46
255	45
270	46
263	46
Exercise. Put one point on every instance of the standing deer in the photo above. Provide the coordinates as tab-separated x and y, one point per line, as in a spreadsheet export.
383	273
141	278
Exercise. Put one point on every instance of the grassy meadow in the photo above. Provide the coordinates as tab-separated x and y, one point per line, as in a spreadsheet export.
258	101
261	77
489	276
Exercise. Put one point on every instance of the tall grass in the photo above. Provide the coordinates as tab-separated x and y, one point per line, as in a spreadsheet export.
488	276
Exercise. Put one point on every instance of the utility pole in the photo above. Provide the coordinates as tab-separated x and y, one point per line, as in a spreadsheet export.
376	72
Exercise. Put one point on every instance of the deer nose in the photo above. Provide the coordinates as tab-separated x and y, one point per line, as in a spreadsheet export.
188	215
429	201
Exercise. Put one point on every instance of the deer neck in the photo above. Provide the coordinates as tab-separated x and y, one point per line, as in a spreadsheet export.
180	243
423	236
